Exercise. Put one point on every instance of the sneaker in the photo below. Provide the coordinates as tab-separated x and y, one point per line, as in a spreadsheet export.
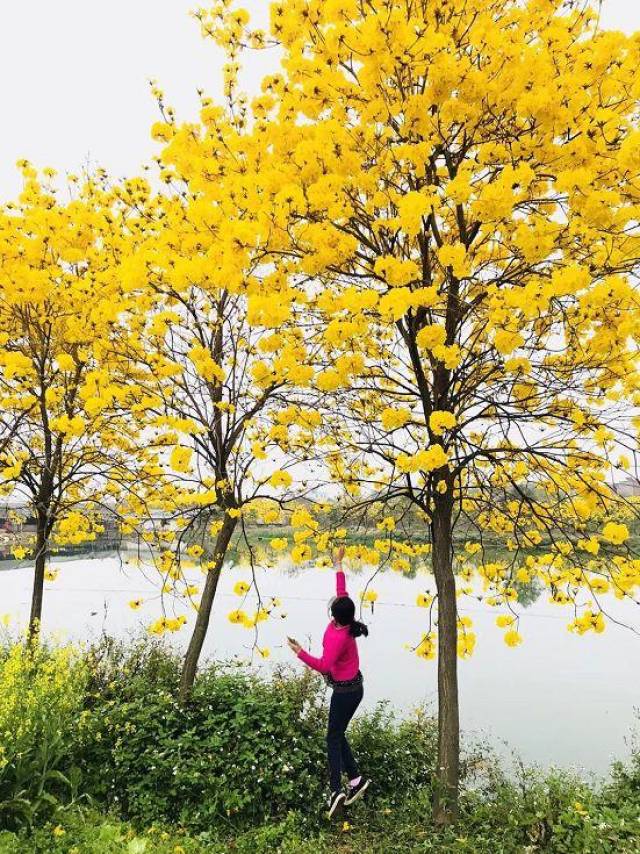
336	800
357	791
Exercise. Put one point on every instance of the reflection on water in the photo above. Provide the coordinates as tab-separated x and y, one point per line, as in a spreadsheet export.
557	699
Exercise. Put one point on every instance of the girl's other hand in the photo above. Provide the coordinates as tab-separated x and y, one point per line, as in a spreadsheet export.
294	646
337	557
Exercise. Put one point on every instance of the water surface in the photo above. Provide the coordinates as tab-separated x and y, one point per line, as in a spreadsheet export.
558	699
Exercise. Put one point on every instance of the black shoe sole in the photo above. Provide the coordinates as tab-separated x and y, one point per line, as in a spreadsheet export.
358	794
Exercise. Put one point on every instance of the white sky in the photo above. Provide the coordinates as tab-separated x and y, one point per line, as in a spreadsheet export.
75	77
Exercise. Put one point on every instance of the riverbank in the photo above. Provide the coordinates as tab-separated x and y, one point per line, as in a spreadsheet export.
105	760
557	699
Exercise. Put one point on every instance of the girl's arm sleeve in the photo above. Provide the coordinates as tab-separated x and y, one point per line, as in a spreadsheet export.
330	651
341	584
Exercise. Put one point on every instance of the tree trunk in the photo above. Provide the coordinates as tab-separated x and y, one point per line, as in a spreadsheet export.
42	539
445	805
192	657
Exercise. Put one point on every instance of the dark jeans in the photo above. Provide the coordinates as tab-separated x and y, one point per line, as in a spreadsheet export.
342	709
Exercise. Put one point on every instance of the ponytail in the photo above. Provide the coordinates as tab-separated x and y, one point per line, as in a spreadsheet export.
358	629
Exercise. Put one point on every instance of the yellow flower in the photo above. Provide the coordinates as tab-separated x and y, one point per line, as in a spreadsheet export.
512	638
241	587
58	830
432	458
400	564
280	479
65	362
301	553
466	644
427	647
440	421
237	617
615	533
431	336
392	419
278	543
134	604
505	342
158	627
180	459
328	380
424	600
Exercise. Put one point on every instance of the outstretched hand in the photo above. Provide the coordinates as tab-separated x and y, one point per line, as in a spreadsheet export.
294	646
337	557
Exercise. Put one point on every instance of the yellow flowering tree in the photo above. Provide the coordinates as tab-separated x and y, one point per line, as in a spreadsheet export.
459	184
65	430
220	357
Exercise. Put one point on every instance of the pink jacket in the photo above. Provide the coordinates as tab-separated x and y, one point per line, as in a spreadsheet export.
339	649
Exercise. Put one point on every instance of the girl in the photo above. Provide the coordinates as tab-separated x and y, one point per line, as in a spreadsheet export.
340	666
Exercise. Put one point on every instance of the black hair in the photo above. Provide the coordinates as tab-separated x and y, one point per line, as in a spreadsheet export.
343	611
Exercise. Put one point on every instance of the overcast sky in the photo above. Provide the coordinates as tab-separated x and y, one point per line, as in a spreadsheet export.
75	77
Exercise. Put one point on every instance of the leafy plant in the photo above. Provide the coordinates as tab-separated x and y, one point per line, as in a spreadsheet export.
240	752
41	695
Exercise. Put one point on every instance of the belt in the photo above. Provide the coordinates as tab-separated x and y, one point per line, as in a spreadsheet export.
344	686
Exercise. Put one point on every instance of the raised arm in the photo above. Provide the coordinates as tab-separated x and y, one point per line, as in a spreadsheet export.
341	582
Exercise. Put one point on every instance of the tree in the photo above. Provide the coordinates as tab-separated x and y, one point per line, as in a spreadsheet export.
68	443
220	357
460	181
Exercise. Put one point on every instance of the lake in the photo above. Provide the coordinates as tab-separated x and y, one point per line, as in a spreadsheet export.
558	699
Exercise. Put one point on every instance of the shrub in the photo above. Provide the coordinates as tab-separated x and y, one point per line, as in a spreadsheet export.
41	696
242	750
81	831
553	811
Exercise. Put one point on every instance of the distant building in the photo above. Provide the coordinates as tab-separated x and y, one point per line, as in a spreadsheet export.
628	488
